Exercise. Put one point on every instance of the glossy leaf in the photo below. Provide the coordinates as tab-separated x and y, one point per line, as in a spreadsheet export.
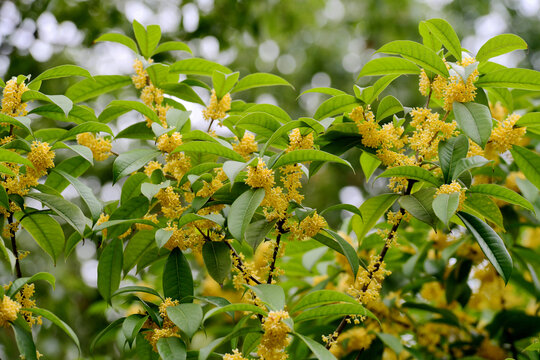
528	162
451	152
335	310
177	278
217	259
137	246
389	65
62	71
348	251
120	39
207	147
198	66
420	205
446	35
502	193
171	348
90	126
188	317
58	322
46	232
445	206
92	87
131	161
372	210
321	297
320	352
475	121
258	80
172	46
412	172
500	44
110	269
511	78
388	106
305	155
336	105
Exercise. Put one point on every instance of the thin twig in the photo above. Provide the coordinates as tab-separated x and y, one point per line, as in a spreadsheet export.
210	126
240	265
14	249
428	97
274	259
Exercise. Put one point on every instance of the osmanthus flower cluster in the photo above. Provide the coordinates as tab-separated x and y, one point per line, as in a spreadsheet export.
209	226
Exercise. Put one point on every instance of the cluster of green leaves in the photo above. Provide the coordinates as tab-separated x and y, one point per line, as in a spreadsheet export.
313	309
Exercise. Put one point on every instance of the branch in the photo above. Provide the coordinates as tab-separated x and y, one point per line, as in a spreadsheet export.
14	249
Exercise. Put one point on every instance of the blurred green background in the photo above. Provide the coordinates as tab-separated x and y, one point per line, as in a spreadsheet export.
310	43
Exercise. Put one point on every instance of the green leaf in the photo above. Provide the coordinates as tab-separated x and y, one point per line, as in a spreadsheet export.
131	161
259	123
419	205
142	38
446	35
136	131
388	106
10	156
503	193
371	93
305	155
389	65
18	284
46	231
217	258
242	211
467	164
445	206
412	172
392	342
428	38
137	246
331	310
369	163
223	83
320	352
347	207
258	80
257	231
372	210
205	352
273	110
335	106
207	147
234	307
104	332
533	346
451	152
483	207
136	288
500	44
324	90
475	121
132	325
177	278
95	86
417	53
511	78
110	269
86	193
528	162
348	251
22	122
90	126
137	106
270	294
531	121
62	71
188	317
490	243
119	38
198	66
23	338
75	166
184	92
58	322
68	211
172	348
322	297
172	46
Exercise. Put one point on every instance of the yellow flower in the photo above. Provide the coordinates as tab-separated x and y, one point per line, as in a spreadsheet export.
168	143
275	338
209	188
41	156
309	227
367	126
141	77
292	174
236	355
170	203
11	102
103	218
218	108
23	297
260	176
246	146
298	142
100	147
151	94
151	167
177	165
156	334
424	83
458	90
8	311
506	134
357	338
167	323
453	187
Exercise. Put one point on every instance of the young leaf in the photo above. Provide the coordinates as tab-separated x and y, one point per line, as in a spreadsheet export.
445	206
217	258
258	80
511	78
371	93
417	53
23	338
177	278
369	163
223	83
331	310
62	71
188	317
387	107
95	86
305	155
120	39
428	38
412	172
322	297
450	153
475	121
272	295
490	243
58	322
528	162
137	246
132	325
348	251
242	211
320	352
110	269
500	44
172	46
46	232
389	65
446	35
372	210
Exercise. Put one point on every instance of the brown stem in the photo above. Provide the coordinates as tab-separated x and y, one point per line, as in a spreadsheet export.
428	97
274	259
382	254
210	126
445	116
14	249
240	265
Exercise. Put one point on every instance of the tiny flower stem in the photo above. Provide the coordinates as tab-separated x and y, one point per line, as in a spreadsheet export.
240	265
14	250
274	259
387	243
210	126
428	97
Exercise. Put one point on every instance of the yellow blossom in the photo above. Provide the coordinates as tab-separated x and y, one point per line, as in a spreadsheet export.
152	217
151	167
453	187
170	203
292	174
41	156
357	338
309	227
168	143
505	134
100	147
23	297
298	142
11	101
8	311
177	165
246	146
275	338
218	108
367	126
141	77
103	218
424	83
236	355
167	323
260	176
156	334
209	188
